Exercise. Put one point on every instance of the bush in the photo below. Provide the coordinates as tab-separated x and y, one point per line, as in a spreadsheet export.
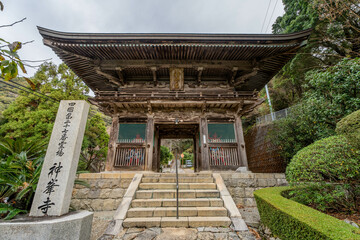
291	220
349	126
326	174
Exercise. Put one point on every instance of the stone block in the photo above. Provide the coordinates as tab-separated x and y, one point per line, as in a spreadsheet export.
93	194
105	193
160	211
140	212
271	182
124	183
239	224
229	204
163	194
215	202
122	209
109	204
249	202
262	182
243	175
201	185
117	193
129	175
211	211
186	194
174	222
73	226
146	203
110	175
75	203
103	183
97	204
281	182
249	192
264	175
207	194
142	222
141	194
239	192
209	221
82	193
279	175
89	175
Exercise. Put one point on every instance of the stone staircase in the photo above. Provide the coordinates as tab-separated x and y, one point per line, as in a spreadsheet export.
154	204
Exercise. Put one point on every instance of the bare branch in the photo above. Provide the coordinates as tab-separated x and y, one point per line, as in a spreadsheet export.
10	25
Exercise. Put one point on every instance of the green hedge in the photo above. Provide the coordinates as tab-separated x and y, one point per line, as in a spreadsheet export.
291	220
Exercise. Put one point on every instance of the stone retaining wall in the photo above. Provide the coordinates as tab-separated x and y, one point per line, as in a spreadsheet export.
105	193
107	189
242	185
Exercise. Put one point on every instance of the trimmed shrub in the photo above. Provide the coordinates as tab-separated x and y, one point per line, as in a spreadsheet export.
326	175
332	160
349	126
291	220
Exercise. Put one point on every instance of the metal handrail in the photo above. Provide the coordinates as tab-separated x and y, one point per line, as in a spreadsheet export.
177	190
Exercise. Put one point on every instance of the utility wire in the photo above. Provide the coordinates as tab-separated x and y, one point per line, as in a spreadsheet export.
32	92
271	15
16	93
267	11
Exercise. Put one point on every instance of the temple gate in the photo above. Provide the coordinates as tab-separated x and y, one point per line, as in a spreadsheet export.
157	86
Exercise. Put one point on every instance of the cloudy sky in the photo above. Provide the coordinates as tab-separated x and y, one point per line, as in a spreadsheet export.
131	16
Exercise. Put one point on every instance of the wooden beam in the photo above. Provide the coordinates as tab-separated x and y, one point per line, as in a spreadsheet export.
149	143
112	64
205	166
241	142
234	72
120	75
154	69
109	77
245	77
200	70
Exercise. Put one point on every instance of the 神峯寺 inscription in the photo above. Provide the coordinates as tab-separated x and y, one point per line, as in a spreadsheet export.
53	193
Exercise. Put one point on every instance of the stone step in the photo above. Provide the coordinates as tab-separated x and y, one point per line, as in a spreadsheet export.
169	193
173	186
181	180
183	202
173	222
171	212
180	175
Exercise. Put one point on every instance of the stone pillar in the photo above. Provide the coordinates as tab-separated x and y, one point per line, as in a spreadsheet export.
114	134
204	145
240	140
149	143
53	192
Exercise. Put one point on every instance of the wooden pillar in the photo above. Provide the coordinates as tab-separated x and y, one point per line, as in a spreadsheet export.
197	151
156	160
240	141
204	145
149	143
114	133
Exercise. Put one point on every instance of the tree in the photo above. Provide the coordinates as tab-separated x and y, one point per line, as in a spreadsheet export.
165	155
336	35
94	148
330	95
32	117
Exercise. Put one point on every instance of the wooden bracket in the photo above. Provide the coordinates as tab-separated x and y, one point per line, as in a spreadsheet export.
245	77
109	77
154	69
200	70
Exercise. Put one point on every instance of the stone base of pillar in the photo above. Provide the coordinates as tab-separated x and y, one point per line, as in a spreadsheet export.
71	226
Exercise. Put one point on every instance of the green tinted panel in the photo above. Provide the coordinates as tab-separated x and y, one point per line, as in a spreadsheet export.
221	132
132	132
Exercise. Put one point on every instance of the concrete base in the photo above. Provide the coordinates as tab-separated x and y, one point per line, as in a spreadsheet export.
243	170
72	226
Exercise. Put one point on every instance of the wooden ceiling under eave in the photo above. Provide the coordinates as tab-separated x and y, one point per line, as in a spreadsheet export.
106	61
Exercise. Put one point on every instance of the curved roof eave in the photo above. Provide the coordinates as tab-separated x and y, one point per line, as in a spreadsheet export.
199	37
